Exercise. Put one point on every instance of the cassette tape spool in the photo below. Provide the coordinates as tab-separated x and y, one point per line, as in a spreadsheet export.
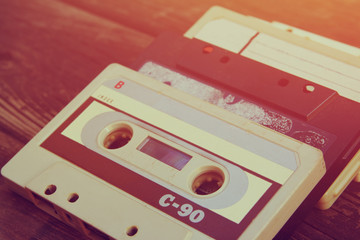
133	158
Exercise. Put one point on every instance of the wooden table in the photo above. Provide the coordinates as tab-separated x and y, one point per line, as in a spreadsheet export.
50	50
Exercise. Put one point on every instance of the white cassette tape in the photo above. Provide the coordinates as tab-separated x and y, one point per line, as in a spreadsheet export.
133	158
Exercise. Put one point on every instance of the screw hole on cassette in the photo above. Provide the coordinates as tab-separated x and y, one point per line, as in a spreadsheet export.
208	182
119	137
50	189
224	59
308	88
283	82
132	231
73	197
208	49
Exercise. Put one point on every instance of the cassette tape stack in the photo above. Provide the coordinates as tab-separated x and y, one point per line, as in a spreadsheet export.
221	134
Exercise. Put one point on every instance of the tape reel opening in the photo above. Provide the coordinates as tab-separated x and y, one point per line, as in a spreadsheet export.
119	135
208	181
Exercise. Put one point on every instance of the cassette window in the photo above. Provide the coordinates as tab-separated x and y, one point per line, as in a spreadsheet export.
164	153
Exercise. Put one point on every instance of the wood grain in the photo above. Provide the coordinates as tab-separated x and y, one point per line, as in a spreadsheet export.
50	50
48	53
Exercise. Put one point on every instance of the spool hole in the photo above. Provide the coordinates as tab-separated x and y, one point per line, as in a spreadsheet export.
118	137
132	231
208	182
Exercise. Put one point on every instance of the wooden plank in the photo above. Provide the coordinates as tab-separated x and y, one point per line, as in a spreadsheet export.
50	50
48	53
354	190
307	232
335	224
348	204
9	146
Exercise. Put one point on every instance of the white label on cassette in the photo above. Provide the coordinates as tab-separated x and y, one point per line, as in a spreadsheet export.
331	73
156	117
224	33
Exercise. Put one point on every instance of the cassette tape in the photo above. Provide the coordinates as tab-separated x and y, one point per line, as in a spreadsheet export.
321	60
133	158
296	83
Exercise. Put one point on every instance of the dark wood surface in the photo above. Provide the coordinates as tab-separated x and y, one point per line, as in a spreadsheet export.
50	50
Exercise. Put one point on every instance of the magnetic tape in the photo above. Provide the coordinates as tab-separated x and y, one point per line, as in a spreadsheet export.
227	148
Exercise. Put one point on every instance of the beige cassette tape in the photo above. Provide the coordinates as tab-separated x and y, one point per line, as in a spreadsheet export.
320	60
133	158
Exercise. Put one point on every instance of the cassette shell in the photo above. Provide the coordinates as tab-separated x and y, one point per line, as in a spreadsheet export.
32	170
